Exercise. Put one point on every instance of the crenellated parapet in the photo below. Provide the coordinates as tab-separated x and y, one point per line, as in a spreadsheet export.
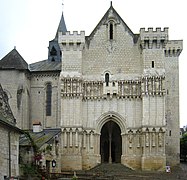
71	41
173	48
153	38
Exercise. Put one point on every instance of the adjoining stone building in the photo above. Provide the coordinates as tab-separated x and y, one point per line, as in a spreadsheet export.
9	140
114	94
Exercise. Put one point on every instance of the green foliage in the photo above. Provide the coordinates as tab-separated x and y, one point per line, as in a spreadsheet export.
29	169
183	147
74	178
48	148
32	168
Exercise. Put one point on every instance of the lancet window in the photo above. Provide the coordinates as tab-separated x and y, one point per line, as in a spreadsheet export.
48	99
107	79
111	31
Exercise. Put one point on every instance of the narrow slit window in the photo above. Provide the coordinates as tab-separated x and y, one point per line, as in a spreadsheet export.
170	133
111	31
107	79
153	64
48	99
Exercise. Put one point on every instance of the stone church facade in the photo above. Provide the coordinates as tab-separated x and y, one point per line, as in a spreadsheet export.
114	94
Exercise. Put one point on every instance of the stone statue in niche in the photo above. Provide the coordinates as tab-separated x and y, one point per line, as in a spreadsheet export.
130	138
19	96
62	87
142	87
126	89
88	90
138	139
156	85
160	139
149	86
68	87
74	87
96	89
147	139
153	139
134	89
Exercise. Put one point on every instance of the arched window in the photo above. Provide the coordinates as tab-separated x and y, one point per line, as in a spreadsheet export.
111	31
107	79
48	99
53	51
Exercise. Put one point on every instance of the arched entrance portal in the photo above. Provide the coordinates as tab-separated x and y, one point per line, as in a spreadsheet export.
110	143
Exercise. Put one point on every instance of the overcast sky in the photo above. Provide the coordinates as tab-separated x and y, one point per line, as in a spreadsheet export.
31	24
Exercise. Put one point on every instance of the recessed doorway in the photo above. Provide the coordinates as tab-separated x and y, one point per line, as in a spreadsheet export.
110	143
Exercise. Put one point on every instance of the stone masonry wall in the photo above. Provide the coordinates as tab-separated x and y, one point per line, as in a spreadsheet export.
4	153
17	86
38	99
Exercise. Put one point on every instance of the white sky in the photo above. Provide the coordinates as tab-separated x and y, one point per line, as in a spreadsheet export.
31	24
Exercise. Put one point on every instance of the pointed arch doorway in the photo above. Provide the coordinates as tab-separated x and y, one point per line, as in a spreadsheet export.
110	143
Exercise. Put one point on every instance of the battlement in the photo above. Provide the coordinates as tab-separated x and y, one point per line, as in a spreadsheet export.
174	48
150	34
71	41
174	44
69	37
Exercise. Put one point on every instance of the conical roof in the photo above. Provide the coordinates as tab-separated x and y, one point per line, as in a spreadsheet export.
62	26
13	60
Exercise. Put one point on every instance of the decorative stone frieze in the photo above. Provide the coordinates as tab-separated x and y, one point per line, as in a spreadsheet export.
152	86
146	137
76	87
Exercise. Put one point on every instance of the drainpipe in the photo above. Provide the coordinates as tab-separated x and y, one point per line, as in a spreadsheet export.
9	153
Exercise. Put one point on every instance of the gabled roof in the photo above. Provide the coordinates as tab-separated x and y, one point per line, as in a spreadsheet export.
13	60
111	14
40	138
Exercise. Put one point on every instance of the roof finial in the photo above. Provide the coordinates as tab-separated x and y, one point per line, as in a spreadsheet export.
62	5
110	3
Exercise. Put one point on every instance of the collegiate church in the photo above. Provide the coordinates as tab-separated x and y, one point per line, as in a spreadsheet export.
114	94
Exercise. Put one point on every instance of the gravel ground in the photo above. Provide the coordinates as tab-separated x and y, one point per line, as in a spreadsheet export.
118	173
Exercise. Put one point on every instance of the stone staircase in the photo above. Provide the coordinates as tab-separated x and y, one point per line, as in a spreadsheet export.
103	172
117	171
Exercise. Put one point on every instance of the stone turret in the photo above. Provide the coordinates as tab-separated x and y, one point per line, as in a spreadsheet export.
71	46
150	37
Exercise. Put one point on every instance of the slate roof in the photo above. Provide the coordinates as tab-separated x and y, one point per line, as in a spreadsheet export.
13	60
61	26
45	65
40	138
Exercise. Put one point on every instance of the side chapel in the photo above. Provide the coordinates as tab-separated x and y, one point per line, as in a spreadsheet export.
114	94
